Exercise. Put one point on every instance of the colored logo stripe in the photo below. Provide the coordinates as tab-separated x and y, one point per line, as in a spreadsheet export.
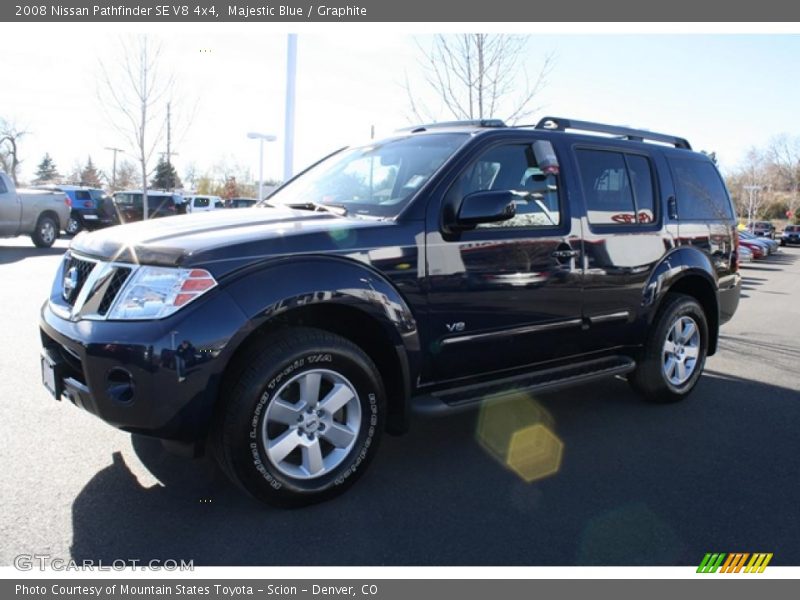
734	562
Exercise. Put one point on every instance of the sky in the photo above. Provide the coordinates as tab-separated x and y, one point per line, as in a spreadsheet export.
723	92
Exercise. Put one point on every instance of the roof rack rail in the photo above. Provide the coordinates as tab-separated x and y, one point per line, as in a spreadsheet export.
443	124
638	135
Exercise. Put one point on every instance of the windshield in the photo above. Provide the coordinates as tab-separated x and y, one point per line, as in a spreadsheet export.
376	180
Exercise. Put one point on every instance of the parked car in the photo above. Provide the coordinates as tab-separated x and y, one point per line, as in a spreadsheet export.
758	250
745	255
790	235
762	228
203	203
89	208
241	203
38	213
129	205
770	245
424	272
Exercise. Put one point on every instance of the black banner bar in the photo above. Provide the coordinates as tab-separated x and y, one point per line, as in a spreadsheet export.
443	11
389	589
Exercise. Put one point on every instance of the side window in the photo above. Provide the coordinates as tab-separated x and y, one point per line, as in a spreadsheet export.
513	167
201	202
699	189
3	188
618	187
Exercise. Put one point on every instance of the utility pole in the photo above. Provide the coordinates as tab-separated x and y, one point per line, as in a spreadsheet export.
169	153
114	167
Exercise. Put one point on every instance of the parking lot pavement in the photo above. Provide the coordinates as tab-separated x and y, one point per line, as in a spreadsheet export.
636	484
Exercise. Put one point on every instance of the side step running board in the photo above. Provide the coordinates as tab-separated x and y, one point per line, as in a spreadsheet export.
465	398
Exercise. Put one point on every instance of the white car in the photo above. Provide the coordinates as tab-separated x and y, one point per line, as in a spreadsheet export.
203	203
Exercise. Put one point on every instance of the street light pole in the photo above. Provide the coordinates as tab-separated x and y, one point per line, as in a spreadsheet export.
114	168
288	134
261	137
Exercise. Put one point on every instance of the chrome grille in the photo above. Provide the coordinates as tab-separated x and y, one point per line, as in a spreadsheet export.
118	279
83	269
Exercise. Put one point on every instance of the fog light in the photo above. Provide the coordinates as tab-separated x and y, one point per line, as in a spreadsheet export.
120	386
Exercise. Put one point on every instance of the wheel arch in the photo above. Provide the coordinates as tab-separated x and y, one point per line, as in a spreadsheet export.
688	271
339	296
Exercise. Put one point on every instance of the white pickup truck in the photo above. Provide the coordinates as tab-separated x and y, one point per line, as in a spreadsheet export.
42	215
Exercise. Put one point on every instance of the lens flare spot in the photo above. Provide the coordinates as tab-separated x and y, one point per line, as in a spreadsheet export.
518	433
535	453
343	237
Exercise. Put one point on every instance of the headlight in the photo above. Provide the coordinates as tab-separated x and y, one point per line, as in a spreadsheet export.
157	292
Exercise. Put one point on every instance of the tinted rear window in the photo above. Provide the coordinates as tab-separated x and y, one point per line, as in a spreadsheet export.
700	192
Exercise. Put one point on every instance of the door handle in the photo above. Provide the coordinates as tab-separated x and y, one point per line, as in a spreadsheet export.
564	253
672	207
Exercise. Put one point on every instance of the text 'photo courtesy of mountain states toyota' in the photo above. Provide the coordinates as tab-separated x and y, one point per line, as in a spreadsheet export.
421	273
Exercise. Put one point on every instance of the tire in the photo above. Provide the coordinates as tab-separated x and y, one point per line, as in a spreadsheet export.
675	351
275	437
45	233
74	225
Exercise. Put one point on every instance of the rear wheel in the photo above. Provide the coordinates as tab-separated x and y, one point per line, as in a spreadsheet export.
45	233
74	225
675	351
302	419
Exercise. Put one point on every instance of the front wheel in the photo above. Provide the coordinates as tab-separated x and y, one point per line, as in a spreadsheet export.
302	419
675	351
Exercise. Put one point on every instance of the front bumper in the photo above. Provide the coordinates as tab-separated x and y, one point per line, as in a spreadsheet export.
160	378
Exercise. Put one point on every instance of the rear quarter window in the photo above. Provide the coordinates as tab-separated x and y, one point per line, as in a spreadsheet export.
700	192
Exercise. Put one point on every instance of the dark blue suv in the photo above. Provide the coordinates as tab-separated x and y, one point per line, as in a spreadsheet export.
432	271
91	208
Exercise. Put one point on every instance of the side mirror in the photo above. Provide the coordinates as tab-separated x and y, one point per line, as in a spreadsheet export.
486	207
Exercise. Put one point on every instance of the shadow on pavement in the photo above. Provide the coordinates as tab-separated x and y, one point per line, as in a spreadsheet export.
12	254
639	484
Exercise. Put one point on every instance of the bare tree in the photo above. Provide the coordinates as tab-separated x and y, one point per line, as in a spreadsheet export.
783	154
126	175
138	89
480	76
10	135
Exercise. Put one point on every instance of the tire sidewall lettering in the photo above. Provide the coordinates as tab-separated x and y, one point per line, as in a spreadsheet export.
369	402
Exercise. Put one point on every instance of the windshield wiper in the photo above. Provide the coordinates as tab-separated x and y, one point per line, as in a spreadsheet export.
337	209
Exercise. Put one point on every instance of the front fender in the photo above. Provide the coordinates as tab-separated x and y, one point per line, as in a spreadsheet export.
271	289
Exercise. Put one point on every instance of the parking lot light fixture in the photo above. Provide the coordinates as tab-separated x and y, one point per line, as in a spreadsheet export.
261	137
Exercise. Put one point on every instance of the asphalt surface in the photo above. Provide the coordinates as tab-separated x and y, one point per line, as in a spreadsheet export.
636	484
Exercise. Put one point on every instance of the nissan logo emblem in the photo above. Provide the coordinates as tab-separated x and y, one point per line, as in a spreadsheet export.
70	284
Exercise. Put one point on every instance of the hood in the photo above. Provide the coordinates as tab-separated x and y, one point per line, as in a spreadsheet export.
222	235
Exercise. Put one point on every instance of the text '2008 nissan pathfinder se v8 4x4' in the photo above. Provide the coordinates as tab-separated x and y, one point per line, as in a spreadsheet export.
427	271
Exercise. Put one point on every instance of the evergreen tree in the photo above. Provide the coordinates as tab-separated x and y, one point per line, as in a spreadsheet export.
90	176
166	177
46	172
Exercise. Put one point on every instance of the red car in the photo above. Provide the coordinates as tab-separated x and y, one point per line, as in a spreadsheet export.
757	250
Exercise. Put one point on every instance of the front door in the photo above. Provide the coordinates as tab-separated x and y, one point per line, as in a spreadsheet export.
505	294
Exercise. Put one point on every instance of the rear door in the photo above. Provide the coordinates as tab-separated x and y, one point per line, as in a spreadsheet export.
505	294
624	236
